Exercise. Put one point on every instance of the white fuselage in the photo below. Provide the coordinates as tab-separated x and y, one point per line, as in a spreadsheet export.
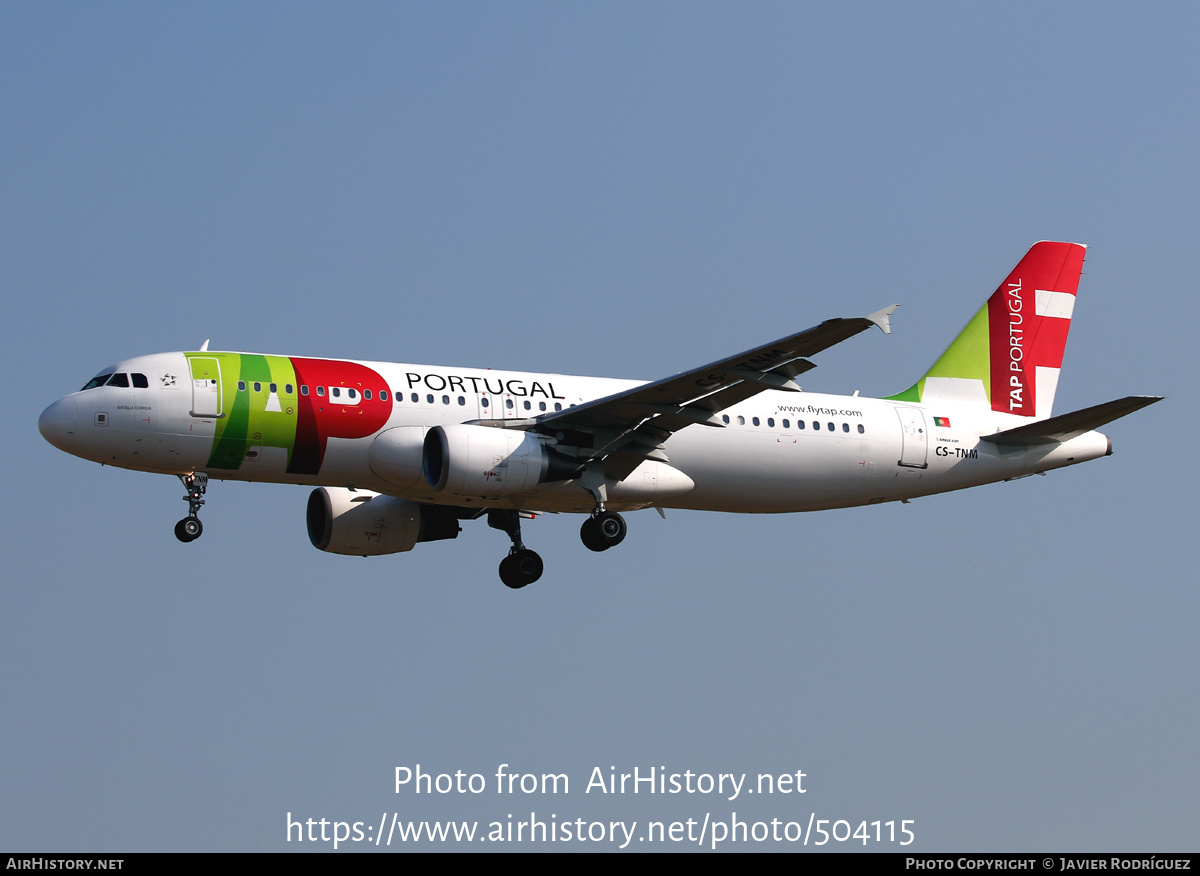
776	452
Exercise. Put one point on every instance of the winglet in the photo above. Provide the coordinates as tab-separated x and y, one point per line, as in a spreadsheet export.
204	346
880	318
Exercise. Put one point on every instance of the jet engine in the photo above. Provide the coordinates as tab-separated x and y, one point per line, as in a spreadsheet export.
485	461
362	523
395	455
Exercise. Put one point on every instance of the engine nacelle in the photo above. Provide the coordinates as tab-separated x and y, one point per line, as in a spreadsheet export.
397	455
365	524
486	461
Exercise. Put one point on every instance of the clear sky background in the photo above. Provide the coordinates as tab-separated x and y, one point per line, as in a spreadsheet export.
623	190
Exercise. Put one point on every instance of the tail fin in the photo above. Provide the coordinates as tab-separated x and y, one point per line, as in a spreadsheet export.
1009	355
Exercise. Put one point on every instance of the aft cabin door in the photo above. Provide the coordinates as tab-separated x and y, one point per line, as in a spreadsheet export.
914	449
206	387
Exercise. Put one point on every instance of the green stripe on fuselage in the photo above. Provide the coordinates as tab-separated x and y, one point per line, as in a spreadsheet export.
246	420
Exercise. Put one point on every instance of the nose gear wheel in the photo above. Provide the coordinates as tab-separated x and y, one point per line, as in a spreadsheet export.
190	528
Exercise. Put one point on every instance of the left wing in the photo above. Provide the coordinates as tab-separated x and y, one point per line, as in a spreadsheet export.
627	427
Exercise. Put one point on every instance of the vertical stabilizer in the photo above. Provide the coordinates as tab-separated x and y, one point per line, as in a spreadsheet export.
1009	355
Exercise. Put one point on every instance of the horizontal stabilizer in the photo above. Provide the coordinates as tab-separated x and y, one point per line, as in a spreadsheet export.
1068	426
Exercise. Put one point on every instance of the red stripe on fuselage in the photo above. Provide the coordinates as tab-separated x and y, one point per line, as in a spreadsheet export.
321	417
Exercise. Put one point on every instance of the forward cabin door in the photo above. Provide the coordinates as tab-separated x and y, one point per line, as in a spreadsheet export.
206	387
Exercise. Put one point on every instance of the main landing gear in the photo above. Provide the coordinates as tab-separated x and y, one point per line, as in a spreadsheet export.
604	529
190	528
522	566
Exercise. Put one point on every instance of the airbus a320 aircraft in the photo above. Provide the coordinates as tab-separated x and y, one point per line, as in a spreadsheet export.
401	454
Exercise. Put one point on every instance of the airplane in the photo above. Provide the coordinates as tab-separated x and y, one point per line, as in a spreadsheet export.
400	454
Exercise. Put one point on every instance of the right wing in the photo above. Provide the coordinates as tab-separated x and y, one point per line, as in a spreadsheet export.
633	424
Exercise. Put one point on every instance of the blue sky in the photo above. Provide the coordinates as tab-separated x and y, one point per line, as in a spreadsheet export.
623	190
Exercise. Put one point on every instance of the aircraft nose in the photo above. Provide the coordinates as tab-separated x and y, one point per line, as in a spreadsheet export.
57	423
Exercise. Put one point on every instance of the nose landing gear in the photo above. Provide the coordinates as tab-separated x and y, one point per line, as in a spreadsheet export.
190	528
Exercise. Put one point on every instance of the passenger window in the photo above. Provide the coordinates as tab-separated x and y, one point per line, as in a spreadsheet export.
831	427
304	389
461	400
257	386
741	420
321	391
725	418
415	397
335	392
383	395
352	393
508	403
429	399
845	427
272	387
541	406
528	406
484	401
445	399
367	394
861	430
119	380
787	425
241	386
287	388
140	381
756	421
816	426
557	406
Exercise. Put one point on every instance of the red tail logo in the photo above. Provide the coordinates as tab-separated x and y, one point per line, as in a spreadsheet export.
1028	320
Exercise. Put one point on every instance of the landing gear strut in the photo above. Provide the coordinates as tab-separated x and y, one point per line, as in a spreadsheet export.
522	566
604	529
190	528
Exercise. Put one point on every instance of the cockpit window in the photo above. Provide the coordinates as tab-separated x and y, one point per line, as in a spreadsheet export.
98	380
140	381
120	379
